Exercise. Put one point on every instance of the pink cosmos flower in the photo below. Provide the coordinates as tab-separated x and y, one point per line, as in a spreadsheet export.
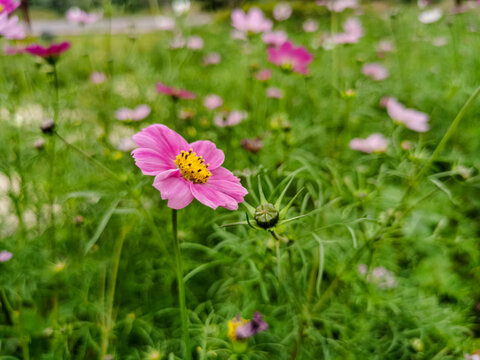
252	22
353	32
50	53
78	16
310	25
137	114
174	93
212	101
10	28
126	144
97	78
411	118
282	11
375	143
5	256
165	23
291	58
12	50
178	42
212	58
185	171
264	75
375	71
430	16
195	43
274	93
383	47
275	38
7	6
228	119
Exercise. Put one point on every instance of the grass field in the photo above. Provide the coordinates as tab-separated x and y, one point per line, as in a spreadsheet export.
377	257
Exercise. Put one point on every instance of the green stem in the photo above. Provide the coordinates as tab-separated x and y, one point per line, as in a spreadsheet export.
181	287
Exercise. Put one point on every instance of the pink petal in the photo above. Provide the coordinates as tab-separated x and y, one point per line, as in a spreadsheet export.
162	140
176	189
210	153
151	162
212	197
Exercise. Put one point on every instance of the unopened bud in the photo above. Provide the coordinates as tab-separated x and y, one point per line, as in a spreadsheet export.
266	216
48	126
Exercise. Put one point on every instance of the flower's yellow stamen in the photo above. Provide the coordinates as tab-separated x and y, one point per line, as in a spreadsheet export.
1	8
232	326
193	167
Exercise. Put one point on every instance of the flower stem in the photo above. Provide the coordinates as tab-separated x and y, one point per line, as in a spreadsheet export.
181	287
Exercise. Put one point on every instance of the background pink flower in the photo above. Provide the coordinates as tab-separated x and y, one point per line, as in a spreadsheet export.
375	71
97	77
5	256
353	32
10	28
165	23
282	11
195	43
186	171
264	75
275	38
252	22
291	58
413	119
175	93
78	16
310	25
232	118
374	143
275	93
212	58
212	101
137	114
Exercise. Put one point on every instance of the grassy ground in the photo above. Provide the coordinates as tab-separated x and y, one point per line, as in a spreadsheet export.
92	274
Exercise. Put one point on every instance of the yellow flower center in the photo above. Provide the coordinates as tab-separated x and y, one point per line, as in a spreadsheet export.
1	8
193	167
287	66
232	327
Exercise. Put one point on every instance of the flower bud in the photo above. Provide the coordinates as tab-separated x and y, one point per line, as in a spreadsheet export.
48	126
266	216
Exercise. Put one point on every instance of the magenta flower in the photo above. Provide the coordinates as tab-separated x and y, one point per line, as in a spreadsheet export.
252	22
98	78
254	326
5	256
264	75
137	114
274	93
10	28
282	11
375	71
50	53
174	93
291	58
185	171
275	38
310	25
413	119
7	6
78	16
375	143
212	101
195	43
212	58
228	119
